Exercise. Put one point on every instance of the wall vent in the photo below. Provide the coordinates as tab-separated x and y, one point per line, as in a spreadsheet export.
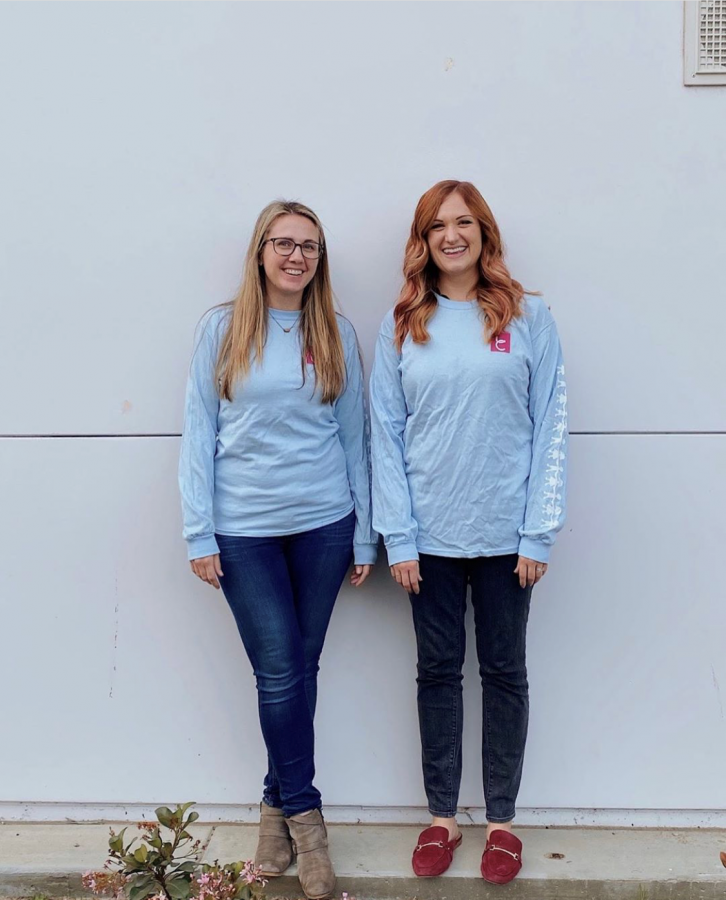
704	42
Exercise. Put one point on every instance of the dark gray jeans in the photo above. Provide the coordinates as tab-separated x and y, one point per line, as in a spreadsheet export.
501	609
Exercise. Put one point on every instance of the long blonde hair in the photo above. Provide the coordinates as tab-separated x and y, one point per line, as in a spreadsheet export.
247	328
499	296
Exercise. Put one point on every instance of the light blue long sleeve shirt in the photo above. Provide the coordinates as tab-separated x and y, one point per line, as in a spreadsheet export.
469	439
274	460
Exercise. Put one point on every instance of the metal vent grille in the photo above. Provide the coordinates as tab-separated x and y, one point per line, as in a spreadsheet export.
712	36
704	42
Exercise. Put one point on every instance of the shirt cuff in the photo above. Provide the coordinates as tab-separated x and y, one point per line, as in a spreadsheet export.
365	554
536	550
402	552
205	545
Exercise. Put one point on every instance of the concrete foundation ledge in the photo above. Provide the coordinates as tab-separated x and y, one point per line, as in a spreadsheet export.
373	861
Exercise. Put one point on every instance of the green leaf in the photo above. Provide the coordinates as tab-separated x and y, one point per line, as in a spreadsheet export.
141	854
189	867
164	815
142	887
178	887
193	816
116	842
126	851
132	866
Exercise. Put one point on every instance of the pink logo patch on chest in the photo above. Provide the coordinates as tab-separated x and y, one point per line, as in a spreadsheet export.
501	343
309	361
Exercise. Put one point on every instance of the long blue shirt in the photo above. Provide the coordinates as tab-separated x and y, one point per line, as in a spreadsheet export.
274	460
469	439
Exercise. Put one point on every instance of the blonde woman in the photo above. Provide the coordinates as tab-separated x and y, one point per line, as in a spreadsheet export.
469	419
276	501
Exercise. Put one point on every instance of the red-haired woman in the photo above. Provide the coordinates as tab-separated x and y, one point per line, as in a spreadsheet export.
469	441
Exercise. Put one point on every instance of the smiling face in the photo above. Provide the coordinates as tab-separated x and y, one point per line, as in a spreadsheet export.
455	240
286	277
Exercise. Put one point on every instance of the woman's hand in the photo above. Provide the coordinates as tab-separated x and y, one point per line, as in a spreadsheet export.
407	575
529	570
208	568
359	575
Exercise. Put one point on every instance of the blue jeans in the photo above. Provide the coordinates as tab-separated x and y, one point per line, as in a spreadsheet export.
501	609
281	591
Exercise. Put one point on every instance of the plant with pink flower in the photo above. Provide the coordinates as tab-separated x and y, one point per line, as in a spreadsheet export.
166	865
234	881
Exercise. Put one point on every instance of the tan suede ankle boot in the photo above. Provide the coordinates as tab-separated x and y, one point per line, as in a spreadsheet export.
274	847
310	842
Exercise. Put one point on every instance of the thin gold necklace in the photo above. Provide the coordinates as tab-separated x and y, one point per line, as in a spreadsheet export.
286	330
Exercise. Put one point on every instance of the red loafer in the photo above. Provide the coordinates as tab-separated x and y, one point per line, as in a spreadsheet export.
502	857
434	851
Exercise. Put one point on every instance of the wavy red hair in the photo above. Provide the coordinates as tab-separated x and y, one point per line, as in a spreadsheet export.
498	294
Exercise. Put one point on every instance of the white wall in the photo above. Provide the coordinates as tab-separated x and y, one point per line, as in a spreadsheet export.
139	143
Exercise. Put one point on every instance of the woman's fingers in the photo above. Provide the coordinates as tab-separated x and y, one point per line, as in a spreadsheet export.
414	579
211	572
529	571
208	568
521	572
359	575
407	575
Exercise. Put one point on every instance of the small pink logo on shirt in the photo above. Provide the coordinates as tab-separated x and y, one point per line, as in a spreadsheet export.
309	359
501	343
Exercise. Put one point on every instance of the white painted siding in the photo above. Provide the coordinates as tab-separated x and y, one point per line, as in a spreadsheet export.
140	141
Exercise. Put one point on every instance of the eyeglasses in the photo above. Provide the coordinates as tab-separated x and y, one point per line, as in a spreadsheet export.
286	247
